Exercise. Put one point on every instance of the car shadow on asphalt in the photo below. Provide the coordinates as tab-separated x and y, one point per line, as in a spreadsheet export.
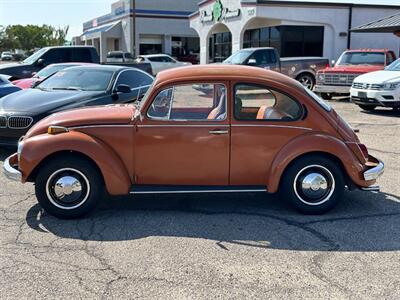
362	222
383	112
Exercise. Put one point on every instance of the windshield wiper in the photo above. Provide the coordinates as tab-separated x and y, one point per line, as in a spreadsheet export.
70	88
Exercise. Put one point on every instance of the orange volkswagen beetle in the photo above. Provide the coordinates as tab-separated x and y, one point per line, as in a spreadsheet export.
213	128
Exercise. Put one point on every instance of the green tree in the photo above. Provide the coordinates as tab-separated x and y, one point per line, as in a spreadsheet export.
31	36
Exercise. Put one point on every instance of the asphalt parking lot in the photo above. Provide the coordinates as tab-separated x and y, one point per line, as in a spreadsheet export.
211	246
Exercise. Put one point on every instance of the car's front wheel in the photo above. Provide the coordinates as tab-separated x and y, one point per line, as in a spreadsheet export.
313	184
326	96
68	187
367	107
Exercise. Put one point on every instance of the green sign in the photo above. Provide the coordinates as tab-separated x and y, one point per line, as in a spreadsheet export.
217	10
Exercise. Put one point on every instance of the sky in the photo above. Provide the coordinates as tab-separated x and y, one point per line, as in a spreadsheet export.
75	12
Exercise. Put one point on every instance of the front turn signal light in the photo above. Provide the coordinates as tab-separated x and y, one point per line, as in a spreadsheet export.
56	129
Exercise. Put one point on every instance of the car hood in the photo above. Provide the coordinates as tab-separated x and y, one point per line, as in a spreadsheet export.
35	101
4	67
352	69
379	77
115	114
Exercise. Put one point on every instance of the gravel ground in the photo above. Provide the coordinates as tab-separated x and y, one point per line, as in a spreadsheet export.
211	246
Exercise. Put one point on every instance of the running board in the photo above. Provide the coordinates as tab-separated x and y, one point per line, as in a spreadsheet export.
188	189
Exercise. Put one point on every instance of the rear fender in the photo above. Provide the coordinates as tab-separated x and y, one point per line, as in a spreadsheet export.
36	149
312	143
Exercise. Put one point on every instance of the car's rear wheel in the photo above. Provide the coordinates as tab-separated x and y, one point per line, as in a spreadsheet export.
367	107
68	188
313	184
326	96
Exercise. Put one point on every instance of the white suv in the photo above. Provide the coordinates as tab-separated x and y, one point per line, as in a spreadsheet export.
160	62
380	88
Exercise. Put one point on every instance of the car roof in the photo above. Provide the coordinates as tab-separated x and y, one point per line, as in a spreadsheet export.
155	55
221	72
113	68
368	50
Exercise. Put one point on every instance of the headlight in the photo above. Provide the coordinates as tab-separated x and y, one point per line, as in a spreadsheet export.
391	86
19	149
321	77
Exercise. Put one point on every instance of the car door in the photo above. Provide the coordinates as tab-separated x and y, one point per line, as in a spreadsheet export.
138	81
156	64
183	137
263	121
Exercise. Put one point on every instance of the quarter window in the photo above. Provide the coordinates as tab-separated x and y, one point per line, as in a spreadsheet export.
254	102
195	102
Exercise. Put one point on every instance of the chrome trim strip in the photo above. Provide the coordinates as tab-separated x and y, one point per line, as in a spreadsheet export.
375	172
270	125
183	125
200	191
10	172
374	188
98	126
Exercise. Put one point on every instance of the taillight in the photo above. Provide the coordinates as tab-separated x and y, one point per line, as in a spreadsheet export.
364	150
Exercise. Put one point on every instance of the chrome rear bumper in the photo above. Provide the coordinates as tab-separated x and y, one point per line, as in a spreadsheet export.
10	172
375	172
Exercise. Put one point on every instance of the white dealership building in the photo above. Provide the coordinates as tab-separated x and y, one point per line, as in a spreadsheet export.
216	28
295	28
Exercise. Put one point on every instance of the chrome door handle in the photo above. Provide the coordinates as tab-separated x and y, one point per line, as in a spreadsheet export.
218	131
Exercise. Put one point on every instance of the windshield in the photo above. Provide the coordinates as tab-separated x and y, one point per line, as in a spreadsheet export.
394	66
78	79
35	56
318	99
362	58
238	57
50	70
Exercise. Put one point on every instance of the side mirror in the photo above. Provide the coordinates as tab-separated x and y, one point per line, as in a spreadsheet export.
333	62
40	62
34	74
252	62
123	88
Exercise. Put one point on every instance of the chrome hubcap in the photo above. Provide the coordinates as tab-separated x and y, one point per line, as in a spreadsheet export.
314	185
306	81
67	188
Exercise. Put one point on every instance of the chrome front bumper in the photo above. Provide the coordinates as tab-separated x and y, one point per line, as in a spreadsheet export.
375	172
333	89
10	172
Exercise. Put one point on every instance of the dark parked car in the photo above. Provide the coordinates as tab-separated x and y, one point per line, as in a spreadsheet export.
6	87
70	88
303	69
47	56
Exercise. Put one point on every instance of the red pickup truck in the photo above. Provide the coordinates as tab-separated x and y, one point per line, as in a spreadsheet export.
338	79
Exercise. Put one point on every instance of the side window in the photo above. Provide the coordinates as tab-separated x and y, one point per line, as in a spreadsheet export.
166	59
390	58
81	55
57	55
254	102
262	57
189	102
134	79
155	59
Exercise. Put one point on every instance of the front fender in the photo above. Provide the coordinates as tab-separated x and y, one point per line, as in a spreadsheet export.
312	143
37	148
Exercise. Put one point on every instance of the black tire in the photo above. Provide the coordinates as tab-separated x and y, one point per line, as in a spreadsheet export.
68	170
367	107
326	96
306	80
308	198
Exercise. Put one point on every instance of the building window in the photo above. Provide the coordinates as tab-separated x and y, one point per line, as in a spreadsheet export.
220	46
288	40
